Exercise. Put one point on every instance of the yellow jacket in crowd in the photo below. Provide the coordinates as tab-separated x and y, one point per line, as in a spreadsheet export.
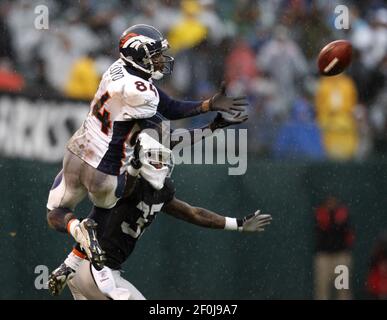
336	99
189	32
83	81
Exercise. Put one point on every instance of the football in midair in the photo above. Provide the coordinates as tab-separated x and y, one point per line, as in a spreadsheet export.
335	57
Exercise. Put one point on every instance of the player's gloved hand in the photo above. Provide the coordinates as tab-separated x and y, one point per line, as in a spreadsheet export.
57	280
222	102
221	122
135	161
254	222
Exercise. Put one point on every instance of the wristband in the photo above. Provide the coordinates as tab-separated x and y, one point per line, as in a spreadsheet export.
231	224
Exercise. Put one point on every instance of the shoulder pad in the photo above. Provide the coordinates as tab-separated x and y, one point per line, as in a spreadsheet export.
138	92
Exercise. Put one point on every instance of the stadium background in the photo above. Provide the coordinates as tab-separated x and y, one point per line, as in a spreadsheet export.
266	49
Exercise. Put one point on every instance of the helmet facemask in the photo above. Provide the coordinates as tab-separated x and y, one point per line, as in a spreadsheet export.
157	161
146	54
161	64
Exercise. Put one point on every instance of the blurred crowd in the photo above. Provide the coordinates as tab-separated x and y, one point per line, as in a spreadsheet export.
266	49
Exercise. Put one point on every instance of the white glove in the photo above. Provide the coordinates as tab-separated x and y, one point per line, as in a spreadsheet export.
254	222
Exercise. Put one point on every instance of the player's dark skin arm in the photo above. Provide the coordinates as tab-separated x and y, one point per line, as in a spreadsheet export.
175	109
217	123
58	218
195	215
191	131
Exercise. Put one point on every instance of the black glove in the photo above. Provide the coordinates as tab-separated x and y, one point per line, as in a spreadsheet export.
220	122
220	102
135	161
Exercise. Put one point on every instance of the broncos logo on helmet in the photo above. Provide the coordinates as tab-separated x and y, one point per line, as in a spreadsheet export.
142	47
135	41
126	37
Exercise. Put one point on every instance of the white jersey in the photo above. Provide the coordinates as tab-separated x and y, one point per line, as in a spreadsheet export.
102	140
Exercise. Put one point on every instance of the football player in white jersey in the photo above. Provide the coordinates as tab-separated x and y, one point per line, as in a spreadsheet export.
97	156
120	228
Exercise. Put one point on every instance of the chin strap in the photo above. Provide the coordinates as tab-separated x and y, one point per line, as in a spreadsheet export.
135	65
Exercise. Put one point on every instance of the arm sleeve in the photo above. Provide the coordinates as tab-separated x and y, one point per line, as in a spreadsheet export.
175	109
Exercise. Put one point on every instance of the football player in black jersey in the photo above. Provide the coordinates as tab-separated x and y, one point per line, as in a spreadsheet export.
58	278
150	191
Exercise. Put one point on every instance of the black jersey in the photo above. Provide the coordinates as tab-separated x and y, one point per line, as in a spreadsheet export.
120	227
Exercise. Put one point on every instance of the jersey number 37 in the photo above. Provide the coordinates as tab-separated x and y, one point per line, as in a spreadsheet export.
148	212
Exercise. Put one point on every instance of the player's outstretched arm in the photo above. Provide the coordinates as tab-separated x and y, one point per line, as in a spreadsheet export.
207	130
220	122
175	109
206	218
